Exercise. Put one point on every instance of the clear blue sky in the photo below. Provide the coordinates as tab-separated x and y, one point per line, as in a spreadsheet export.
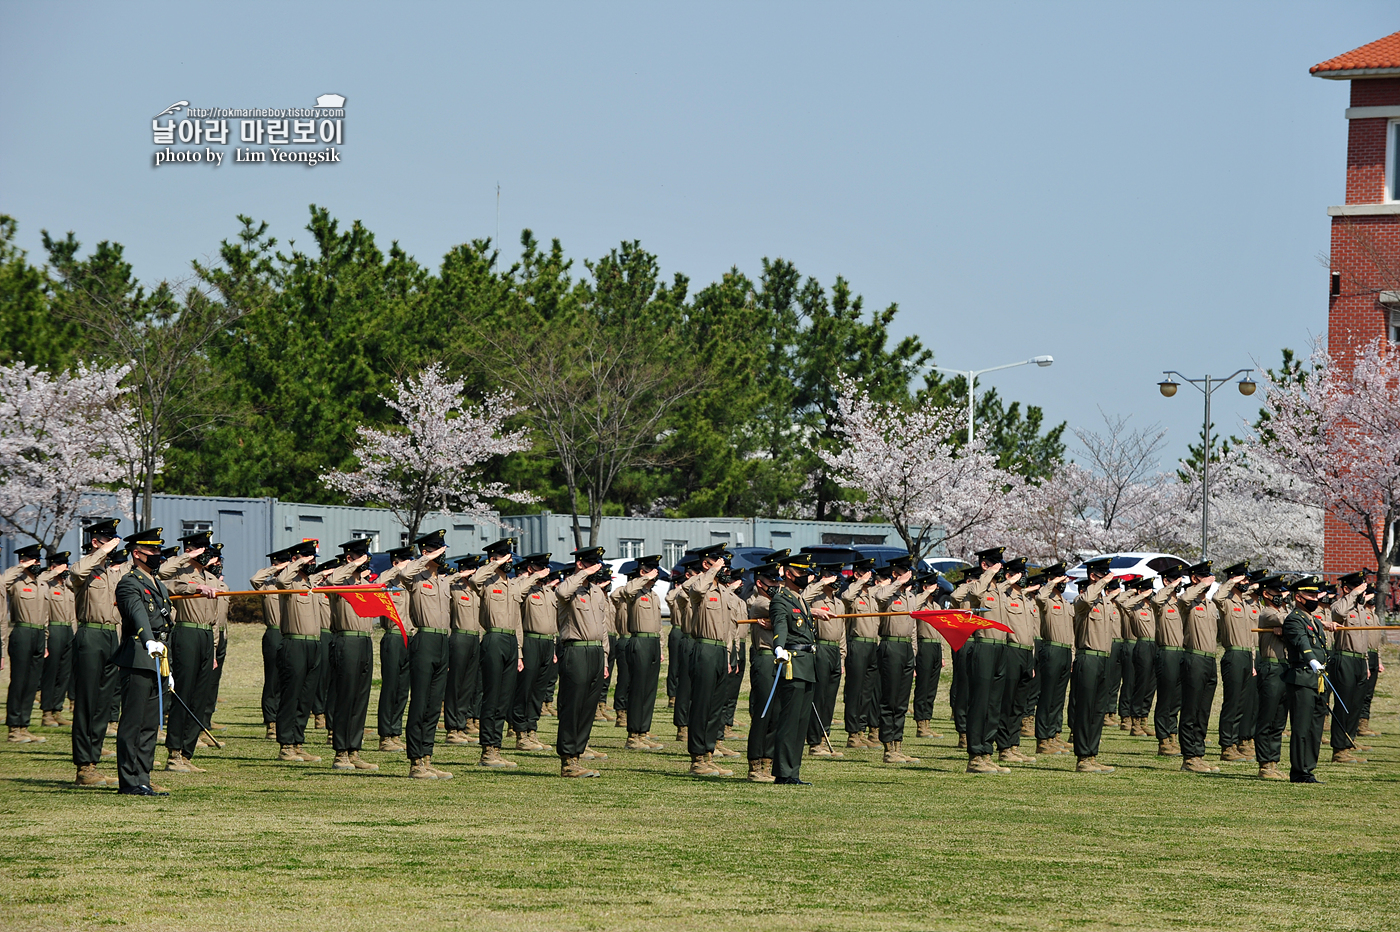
1129	187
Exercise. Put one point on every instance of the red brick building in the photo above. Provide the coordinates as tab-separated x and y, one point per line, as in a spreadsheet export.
1364	300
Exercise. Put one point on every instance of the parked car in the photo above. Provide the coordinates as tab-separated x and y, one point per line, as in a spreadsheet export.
620	569
1150	565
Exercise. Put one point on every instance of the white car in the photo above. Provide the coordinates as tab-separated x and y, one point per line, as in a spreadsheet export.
1150	565
660	587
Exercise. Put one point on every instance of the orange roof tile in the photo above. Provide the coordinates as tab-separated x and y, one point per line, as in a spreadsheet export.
1379	57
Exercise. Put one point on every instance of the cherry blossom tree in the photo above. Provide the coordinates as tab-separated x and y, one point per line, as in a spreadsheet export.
430	462
61	435
1250	521
1332	441
905	463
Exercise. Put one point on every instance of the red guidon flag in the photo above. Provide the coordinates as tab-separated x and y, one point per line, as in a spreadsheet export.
373	603
957	625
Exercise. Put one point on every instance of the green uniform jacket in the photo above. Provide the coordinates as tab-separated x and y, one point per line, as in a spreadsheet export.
1304	641
793	630
146	610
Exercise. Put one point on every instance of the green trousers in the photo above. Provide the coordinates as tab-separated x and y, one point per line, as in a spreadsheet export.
682	655
137	728
1088	684
1198	681
580	676
824	690
673	638
1168	663
708	669
1348	675
862	668
352	659
1373	668
26	649
1273	712
957	691
427	681
1144	661
272	681
762	734
498	668
794	702
986	672
1112	700
644	666
1306	707
94	685
1052	670
733	683
321	694
299	661
1019	664
1238	698
529	694
393	683
928	669
58	669
192	665
896	659
463	670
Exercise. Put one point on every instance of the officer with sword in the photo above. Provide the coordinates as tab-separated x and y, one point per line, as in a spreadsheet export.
794	649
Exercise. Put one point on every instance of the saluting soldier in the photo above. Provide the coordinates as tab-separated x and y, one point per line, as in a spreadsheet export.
762	734
1306	645
794	643
1374	667
57	675
430	603
862	656
300	655
29	612
644	646
265	578
957	690
710	625
895	656
1113	687
829	656
681	645
463	655
1143	654
1127	600
191	645
583	650
540	625
1169	662
617	659
1093	640
393	653
675	637
985	663
1022	616
147	616
1272	662
324	696
1238	618
1347	666
1054	657
1201	621
502	651
94	646
214	561
352	660
928	661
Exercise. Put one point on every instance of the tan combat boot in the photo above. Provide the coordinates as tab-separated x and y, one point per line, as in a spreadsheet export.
899	748
320	721
19	736
756	774
732	731
491	757
522	741
342	761
650	739
390	743
621	720
1137	730
1166	749
1085	765
637	743
1044	746
271	733
602	714
1363	729
177	763
891	756
535	740
474	726
111	729
982	763
818	750
922	729
288	753
456	737
873	736
89	777
1247	746
962	741
1345	756
1095	766
1198	765
418	769
305	755
570	767
1270	771
441	774
591	753
853	740
670	702
204	742
682	734
719	771
701	767
1028	726
54	720
361	764
723	751
1231	755
1110	720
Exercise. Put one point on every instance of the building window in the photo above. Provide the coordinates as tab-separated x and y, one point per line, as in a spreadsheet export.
1392	161
194	527
371	536
1395	325
630	549
672	551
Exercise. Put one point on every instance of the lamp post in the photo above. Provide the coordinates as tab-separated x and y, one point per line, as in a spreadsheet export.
1207	386
972	374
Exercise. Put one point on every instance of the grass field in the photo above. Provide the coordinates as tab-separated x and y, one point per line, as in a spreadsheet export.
259	845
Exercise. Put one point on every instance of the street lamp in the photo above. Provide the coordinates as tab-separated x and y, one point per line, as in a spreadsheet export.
972	374
1207	386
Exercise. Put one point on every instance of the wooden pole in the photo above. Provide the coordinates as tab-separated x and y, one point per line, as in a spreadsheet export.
1348	628
367	588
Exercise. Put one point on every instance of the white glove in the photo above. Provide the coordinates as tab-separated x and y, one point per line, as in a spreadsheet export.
1316	667
170	683
781	653
155	648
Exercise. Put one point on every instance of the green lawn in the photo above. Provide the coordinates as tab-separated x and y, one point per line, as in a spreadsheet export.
258	845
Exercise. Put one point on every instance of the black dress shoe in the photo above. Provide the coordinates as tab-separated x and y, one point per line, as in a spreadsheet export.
1305	778
139	791
792	781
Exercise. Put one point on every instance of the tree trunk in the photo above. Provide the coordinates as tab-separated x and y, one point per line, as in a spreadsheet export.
148	487
573	509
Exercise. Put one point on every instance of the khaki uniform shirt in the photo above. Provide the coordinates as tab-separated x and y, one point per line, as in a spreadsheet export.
1239	614
710	617
1271	645
266	578
1201	618
500	603
643	606
28	604
1022	616
203	612
63	607
540	610
680	609
896	597
619	613
7	579
761	638
984	592
829	630
300	615
1346	613
96	582
1143	617
343	617
1170	630
429	594
1128	605
393	584
588	616
1093	628
1056	619
859	599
